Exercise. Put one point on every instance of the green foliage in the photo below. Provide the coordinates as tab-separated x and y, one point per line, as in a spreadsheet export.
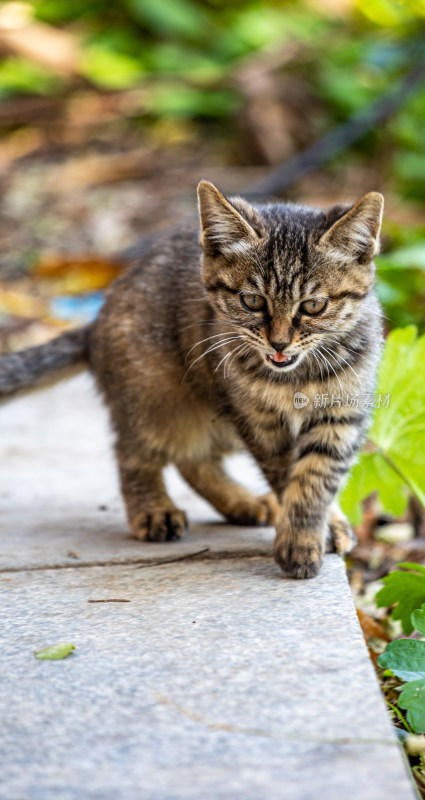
110	69
19	76
173	18
406	657
418	620
60	12
412	700
408	163
55	652
410	257
401	278
354	60
393	461
177	100
405	589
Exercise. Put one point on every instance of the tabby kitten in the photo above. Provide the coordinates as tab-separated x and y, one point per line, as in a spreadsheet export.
199	352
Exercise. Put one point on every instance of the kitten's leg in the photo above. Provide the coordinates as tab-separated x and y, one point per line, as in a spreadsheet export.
236	503
322	457
151	514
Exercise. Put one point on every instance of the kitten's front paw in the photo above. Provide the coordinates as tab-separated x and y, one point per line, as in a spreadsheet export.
159	525
254	511
299	559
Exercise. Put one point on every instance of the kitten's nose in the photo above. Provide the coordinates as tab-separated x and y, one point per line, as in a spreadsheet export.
280	346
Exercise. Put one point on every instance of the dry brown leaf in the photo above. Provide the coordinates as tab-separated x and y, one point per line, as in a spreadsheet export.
371	628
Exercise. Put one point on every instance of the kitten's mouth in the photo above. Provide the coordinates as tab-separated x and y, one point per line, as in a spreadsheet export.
280	360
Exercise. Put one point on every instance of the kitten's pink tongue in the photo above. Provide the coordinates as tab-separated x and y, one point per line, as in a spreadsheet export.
280	357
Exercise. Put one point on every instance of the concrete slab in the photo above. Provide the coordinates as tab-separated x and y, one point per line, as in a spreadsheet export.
219	680
59	491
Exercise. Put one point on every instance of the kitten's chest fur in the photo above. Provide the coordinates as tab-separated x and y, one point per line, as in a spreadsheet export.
268	412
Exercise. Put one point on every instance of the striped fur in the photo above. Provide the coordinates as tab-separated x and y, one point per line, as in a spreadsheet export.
190	374
184	367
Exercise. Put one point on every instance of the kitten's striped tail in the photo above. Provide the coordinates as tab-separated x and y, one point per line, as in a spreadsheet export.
43	364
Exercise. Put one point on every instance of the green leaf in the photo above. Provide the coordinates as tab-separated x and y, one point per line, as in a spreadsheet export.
108	68
20	76
407	590
392	490
176	100
418	620
260	26
372	473
412	700
173	18
362	481
55	652
391	295
397	465
405	658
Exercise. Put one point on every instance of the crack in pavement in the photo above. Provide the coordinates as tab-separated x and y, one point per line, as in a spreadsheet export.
223	726
139	563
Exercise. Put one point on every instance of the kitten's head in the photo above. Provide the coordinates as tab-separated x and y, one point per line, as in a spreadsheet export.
287	276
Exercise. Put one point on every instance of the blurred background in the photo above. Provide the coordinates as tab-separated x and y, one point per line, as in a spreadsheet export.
111	112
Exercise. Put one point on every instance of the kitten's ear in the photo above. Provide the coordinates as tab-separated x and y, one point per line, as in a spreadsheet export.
224	229
356	233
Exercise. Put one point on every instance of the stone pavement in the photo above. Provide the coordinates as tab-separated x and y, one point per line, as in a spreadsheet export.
219	679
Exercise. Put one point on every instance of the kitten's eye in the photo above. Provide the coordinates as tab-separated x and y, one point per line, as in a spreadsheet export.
253	302
313	306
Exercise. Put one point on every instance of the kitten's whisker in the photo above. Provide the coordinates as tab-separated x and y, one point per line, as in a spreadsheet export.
333	355
223	359
214	336
227	356
210	349
345	346
216	345
318	362
255	337
344	333
379	314
199	324
338	355
320	355
328	362
238	351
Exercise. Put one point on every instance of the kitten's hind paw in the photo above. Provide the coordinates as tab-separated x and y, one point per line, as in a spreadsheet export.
341	538
254	510
159	525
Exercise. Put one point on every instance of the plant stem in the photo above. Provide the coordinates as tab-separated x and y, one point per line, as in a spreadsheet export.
400	716
400	474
